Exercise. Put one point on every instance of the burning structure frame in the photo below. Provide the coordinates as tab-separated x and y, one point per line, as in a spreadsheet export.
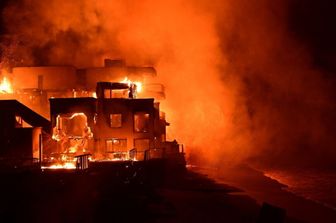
105	125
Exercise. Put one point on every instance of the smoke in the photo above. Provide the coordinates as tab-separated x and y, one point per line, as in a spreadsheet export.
289	102
239	85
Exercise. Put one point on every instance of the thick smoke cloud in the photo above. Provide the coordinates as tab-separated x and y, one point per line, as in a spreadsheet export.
239	86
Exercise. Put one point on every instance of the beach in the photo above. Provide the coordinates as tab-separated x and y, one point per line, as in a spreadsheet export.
264	189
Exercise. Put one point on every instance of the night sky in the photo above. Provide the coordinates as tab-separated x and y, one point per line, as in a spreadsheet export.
313	22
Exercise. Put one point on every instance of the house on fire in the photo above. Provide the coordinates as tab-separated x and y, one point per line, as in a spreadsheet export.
113	126
106	124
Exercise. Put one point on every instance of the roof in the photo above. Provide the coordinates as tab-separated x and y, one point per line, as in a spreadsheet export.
28	115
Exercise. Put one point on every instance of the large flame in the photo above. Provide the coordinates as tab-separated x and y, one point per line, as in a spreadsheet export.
129	82
5	86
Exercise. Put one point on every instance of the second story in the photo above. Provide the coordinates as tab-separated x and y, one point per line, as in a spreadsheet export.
115	113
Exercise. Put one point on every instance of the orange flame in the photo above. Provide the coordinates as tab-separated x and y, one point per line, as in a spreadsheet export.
67	165
5	86
129	82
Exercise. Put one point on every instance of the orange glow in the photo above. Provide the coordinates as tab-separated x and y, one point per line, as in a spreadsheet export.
5	86
129	82
58	136
72	137
67	165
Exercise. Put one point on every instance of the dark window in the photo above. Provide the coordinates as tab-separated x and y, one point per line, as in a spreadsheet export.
141	122
116	145
115	120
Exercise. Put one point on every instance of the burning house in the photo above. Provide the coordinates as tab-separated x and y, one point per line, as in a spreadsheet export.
113	121
33	86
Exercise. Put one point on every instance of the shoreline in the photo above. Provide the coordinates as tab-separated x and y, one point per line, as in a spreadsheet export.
265	189
298	190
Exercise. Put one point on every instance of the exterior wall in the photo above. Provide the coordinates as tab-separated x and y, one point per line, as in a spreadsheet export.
54	78
22	143
159	126
7	120
35	85
98	114
103	74
36	143
72	105
22	146
127	108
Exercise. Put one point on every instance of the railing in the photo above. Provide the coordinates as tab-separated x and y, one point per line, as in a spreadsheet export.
135	155
82	161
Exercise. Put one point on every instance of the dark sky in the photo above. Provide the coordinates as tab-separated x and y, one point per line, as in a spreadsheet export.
2	5
314	23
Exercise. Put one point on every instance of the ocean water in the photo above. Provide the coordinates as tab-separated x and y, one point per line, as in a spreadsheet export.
316	185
